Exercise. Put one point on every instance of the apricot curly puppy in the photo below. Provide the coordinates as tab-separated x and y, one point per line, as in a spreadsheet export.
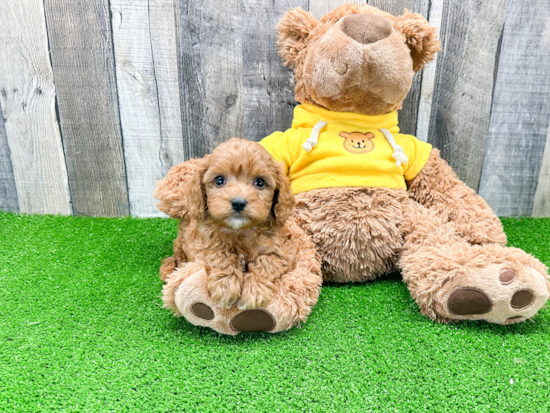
234	229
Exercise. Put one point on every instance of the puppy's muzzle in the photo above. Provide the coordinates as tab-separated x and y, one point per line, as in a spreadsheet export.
238	204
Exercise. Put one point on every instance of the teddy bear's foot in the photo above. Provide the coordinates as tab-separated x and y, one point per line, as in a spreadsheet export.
187	295
463	282
451	279
498	294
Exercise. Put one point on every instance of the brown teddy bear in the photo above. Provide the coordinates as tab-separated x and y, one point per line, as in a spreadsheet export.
373	200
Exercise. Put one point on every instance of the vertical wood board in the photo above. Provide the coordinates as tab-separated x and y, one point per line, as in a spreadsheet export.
320	8
470	31
148	93
27	98
520	112
164	44
541	204
210	73
428	78
82	57
8	191
268	86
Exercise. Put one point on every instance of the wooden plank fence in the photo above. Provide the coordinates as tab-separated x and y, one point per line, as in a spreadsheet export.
99	98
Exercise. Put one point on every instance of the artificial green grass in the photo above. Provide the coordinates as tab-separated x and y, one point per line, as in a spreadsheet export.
82	329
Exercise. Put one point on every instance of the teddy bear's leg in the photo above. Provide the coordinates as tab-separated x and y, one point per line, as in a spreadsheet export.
438	188
451	279
186	293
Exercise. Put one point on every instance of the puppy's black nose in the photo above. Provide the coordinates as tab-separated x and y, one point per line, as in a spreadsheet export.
238	204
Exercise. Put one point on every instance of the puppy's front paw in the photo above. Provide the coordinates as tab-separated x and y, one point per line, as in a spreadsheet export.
225	292
255	295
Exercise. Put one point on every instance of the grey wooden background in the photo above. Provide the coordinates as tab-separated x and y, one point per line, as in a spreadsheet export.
99	98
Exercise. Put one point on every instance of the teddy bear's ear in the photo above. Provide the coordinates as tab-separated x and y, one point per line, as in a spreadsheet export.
293	31
420	37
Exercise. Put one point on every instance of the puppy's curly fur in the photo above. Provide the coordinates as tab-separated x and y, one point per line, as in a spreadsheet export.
234	223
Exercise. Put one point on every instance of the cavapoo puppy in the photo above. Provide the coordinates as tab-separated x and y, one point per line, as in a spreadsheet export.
238	201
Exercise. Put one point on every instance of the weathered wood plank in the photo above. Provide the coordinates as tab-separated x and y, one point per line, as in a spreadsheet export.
162	22
408	115
470	31
428	78
267	85
8	191
144	37
27	96
541	207
320	8
211	68
521	111
82	57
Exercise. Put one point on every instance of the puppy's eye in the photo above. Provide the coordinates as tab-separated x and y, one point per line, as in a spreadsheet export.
259	182
219	181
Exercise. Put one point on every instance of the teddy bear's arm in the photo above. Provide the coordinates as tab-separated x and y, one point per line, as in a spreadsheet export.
438	188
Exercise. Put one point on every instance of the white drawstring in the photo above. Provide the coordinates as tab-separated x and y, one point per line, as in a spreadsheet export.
314	137
399	153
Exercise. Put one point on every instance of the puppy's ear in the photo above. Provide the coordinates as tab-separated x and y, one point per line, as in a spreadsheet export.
420	37
283	200
171	189
293	31
196	199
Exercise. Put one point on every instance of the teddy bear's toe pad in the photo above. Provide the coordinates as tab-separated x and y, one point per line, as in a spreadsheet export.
202	311
507	277
522	299
253	320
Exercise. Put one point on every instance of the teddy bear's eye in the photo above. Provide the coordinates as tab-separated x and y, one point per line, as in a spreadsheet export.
219	181
363	140
352	141
259	182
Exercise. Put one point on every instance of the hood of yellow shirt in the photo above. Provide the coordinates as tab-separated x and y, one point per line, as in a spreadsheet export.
306	116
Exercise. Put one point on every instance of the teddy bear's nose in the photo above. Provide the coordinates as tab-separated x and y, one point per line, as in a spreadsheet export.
366	28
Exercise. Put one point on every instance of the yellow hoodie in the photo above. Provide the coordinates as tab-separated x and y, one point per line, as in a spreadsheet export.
351	150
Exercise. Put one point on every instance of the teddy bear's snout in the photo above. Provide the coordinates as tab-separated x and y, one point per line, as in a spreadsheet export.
366	28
